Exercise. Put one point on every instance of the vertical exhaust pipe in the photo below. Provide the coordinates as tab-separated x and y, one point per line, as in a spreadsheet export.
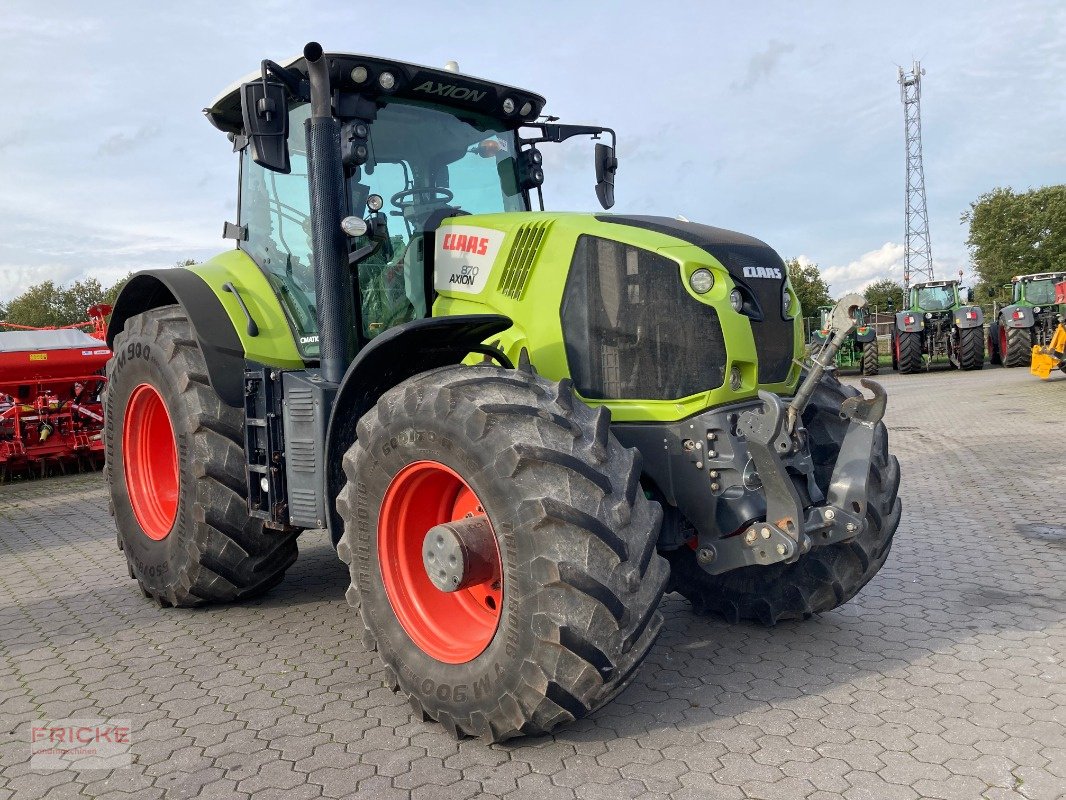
325	173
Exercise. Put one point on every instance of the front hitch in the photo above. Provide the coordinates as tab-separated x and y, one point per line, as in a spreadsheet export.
790	531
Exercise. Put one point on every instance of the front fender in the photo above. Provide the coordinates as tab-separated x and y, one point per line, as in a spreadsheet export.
1017	317
215	334
969	317
909	321
391	358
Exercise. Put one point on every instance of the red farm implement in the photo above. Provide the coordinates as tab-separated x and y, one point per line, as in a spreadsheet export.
51	417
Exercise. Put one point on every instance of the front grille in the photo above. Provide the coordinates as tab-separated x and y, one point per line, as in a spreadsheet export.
774	335
631	329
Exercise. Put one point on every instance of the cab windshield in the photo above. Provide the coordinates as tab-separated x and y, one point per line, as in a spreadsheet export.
425	163
1042	292
936	298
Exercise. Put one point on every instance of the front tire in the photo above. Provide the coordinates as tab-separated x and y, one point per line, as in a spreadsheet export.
995	356
971	348
909	352
175	469
572	610
871	358
826	577
1019	352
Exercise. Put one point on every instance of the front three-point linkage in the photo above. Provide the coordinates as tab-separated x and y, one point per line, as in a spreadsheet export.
775	433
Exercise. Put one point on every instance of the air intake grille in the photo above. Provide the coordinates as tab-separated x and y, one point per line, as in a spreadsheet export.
520	260
631	329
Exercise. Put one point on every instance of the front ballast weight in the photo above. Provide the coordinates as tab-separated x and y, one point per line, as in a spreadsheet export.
776	443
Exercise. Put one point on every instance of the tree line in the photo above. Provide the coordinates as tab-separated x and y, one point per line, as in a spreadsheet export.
48	304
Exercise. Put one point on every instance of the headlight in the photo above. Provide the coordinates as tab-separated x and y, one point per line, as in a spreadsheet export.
387	81
736	299
786	300
928	315
701	281
1036	310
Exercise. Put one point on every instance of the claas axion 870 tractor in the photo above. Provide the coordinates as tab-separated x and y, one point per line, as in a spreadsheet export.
520	428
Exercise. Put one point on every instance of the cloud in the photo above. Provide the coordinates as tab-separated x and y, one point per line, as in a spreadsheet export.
762	64
119	143
885	262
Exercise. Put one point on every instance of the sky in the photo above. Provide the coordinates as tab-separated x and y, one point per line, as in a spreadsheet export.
781	120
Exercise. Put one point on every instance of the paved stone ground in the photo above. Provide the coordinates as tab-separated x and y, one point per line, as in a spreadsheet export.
945	678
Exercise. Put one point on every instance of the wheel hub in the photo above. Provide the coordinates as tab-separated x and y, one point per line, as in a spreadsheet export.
459	554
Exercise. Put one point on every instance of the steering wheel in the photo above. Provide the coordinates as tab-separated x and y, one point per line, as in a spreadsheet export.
435	193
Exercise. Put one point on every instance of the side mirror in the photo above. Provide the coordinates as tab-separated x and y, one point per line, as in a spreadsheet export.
264	107
991	290
969	295
890	306
606	167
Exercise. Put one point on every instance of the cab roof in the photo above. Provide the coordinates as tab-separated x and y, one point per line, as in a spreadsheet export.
933	284
1038	276
412	82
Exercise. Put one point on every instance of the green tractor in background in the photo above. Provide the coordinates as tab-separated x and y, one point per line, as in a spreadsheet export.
1029	321
859	349
937	324
519	428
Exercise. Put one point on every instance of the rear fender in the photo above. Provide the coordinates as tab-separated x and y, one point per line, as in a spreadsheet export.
969	317
1017	317
391	358
219	342
909	321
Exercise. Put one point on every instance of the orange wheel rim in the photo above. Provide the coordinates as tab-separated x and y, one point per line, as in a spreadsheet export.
150	462
452	627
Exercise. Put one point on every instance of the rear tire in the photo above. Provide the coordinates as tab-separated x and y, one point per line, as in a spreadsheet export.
909	352
575	539
826	577
178	496
971	348
994	355
1019	352
871	358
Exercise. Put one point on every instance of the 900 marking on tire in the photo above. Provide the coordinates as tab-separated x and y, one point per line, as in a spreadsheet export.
579	578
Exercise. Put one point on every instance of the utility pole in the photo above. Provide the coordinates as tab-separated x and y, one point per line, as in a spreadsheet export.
917	255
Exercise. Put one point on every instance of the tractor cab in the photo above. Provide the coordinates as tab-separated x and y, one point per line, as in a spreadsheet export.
1035	290
935	296
418	146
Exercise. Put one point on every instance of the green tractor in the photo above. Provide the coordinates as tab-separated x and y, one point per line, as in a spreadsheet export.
519	428
859	349
936	323
1030	320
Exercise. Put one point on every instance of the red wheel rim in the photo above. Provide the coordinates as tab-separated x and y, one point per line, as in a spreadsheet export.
453	627
150	462
1003	342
